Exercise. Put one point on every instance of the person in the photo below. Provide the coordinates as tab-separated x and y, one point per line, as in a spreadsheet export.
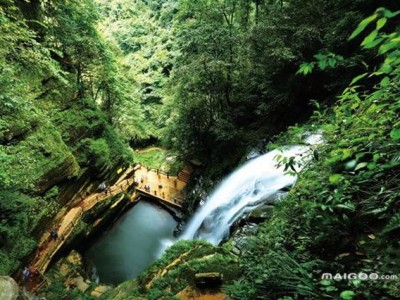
108	190
102	187
33	271
160	186
54	234
26	273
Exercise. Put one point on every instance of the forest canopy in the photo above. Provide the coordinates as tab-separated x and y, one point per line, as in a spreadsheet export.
83	83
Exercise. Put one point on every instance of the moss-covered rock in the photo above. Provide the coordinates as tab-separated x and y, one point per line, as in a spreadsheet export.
40	160
176	270
8	288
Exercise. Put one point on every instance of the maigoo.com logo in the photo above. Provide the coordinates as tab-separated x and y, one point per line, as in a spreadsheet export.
359	276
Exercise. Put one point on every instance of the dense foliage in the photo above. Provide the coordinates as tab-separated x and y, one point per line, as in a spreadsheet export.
217	74
143	39
209	80
343	215
234	83
56	82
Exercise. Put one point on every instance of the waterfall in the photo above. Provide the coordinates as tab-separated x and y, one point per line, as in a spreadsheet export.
251	185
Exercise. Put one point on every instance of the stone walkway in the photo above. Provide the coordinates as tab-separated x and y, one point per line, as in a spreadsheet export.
169	190
163	187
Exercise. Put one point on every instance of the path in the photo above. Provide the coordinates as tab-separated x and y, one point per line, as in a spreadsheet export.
145	150
169	190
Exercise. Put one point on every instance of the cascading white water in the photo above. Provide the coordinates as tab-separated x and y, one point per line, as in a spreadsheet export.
249	186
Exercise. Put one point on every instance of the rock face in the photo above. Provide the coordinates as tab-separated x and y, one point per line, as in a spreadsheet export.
100	290
211	280
8	288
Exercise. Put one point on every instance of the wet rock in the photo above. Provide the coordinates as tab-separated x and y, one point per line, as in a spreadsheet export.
74	258
100	290
241	235
254	153
178	229
81	284
8	288
261	214
236	251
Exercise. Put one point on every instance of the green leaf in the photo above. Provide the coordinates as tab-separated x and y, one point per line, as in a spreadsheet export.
386	47
363	24
325	282
330	289
347	295
393	224
349	206
388	14
305	68
395	133
386	69
380	23
361	166
322	65
385	82
356	282
374	43
358	78
319	56
335	178
347	153
370	38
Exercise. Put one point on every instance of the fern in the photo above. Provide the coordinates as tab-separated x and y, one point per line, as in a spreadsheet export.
393	224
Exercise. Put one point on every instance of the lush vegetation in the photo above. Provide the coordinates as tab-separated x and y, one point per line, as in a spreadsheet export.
52	127
158	159
176	270
217	74
207	81
235	82
343	215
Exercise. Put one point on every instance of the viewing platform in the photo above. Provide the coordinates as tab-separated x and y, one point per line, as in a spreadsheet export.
161	185
155	184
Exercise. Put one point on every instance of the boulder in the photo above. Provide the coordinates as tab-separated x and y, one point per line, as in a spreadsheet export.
81	284
8	288
208	280
100	290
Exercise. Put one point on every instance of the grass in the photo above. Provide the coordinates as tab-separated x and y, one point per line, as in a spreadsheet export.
156	158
